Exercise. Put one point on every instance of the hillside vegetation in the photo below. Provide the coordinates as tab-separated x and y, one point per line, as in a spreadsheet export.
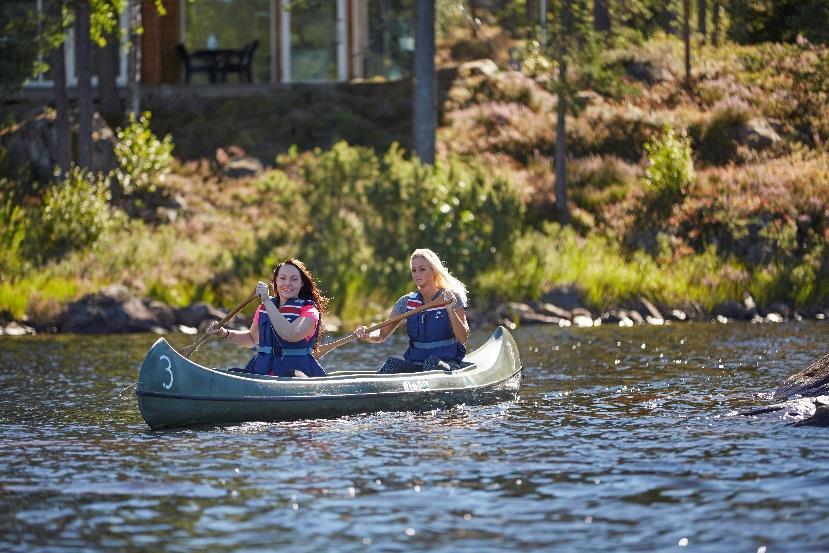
698	192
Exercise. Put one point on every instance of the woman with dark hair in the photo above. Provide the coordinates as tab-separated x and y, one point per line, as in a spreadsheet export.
287	328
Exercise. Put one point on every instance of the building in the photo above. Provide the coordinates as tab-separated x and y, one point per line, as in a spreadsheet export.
297	41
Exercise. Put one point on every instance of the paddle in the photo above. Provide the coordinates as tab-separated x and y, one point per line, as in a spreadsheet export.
325	348
189	350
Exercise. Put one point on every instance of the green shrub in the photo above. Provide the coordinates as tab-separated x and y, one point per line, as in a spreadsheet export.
74	214
143	159
669	173
368	214
12	236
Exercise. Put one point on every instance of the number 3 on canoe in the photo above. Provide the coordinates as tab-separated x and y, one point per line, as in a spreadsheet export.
169	370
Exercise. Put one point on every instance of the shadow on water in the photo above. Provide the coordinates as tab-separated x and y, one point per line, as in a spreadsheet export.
621	439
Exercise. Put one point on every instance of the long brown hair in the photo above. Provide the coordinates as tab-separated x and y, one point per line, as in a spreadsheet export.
309	291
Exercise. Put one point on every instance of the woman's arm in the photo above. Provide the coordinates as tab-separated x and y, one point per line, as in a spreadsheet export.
241	338
302	327
457	317
378	336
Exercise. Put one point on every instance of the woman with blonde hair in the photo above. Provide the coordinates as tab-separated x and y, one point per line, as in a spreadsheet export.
436	336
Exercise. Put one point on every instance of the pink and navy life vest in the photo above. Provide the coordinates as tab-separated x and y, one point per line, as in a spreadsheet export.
430	333
278	357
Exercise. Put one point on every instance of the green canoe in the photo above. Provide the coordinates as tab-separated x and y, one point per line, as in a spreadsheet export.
174	391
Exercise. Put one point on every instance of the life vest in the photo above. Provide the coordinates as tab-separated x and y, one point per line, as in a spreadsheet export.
430	333
279	357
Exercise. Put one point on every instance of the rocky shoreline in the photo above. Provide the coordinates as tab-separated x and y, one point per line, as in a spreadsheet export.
116	310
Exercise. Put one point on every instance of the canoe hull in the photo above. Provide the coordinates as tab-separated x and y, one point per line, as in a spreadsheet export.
173	391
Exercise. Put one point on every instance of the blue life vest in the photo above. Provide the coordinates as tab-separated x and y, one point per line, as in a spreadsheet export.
430	333
279	357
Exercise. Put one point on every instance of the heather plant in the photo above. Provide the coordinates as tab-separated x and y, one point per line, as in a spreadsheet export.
715	137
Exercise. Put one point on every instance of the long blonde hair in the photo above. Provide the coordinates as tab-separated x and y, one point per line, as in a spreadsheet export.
443	278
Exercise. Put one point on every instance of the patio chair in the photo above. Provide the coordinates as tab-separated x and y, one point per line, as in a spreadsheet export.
241	63
193	64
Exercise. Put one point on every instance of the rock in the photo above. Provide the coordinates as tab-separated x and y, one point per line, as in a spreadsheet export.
819	418
646	71
538	318
636	317
551	309
582	317
732	310
184	329
757	134
678	315
617	316
566	297
242	167
513	310
748	302
811	381
478	68
781	308
113	310
163	313
15	328
195	314
103	145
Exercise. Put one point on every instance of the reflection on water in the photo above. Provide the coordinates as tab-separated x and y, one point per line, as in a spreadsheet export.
621	440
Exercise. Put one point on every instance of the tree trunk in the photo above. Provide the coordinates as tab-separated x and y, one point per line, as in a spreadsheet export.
84	89
561	122
601	16
425	113
57	62
686	38
715	23
110	103
473	13
134	59
542	19
702	19
530	12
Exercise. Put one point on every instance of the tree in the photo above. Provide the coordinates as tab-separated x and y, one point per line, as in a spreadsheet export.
57	59
84	72
601	15
107	34
563	28
702	16
134	55
425	104
686	38
715	23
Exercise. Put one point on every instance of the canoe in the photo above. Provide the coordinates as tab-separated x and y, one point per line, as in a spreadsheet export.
174	391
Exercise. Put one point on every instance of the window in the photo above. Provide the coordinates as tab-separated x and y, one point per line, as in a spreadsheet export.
219	24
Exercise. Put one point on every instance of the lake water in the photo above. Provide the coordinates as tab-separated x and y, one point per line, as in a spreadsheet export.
622	440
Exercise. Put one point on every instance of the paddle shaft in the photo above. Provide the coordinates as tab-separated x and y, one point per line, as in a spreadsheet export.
188	351
325	348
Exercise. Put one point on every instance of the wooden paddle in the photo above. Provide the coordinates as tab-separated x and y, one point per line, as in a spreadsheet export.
189	350
325	348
